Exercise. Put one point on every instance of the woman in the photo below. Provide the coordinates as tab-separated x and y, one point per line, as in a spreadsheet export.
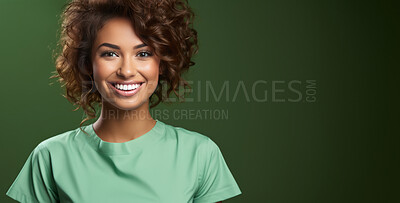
116	53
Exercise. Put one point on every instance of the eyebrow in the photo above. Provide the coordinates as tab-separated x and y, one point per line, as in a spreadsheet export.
117	47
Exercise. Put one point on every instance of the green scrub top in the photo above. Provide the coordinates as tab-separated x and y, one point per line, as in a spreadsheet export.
167	164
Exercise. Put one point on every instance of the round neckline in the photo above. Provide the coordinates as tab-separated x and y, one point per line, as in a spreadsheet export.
137	144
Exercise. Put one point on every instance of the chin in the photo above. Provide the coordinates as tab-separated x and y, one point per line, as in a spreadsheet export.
127	106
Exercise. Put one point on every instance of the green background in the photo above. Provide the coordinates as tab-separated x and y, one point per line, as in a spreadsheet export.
344	147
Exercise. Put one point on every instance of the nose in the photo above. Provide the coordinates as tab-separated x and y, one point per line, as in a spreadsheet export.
127	68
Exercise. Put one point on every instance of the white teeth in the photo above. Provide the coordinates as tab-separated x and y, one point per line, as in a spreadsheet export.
126	87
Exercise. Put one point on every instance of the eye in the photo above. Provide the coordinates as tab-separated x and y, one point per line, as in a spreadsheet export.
144	54
108	54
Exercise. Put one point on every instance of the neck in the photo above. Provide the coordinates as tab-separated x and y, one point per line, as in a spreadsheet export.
117	125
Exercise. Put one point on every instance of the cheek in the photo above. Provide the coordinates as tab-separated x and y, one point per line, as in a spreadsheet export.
101	71
151	72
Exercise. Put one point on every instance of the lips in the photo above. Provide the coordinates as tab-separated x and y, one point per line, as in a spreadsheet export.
125	82
126	89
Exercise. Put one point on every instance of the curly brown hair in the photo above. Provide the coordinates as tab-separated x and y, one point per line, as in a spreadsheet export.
164	25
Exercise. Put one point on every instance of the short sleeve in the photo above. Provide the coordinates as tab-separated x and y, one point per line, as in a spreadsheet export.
216	182
35	182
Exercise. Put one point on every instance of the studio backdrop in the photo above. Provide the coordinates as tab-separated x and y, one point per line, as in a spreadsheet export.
301	96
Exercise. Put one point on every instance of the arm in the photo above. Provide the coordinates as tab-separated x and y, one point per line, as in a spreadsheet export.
35	182
216	182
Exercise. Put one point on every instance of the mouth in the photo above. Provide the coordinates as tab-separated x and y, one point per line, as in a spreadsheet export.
125	89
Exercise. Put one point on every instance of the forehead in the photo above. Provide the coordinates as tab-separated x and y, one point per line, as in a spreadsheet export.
117	31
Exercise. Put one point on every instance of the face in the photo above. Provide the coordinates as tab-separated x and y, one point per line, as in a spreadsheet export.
125	70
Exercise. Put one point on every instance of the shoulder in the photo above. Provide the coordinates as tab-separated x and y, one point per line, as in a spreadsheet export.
183	133
188	137
60	141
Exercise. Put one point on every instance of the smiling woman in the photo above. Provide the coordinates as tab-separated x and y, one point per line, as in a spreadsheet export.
115	53
125	70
